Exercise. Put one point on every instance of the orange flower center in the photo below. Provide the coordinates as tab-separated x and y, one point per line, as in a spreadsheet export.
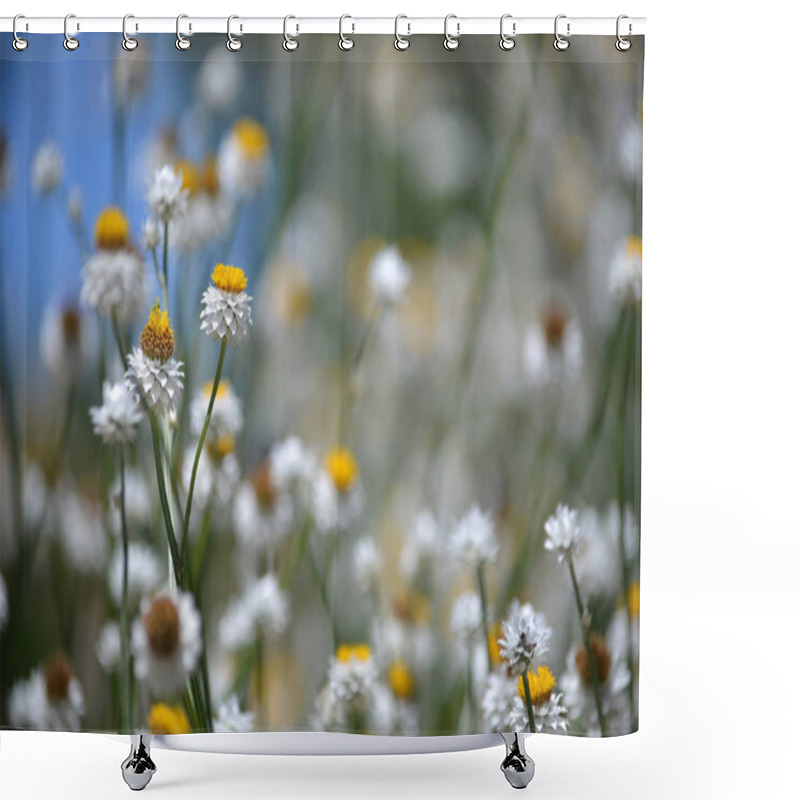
163	626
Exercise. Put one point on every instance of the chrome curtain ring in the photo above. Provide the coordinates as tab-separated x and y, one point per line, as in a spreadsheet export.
128	42
623	44
560	42
290	43
451	42
70	42
19	44
345	42
401	42
507	42
181	42
233	44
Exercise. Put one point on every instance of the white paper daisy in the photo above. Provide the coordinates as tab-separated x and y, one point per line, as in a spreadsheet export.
226	313
50	699
166	196
563	531
115	421
526	637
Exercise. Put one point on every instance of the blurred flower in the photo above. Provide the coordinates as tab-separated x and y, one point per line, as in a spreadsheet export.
553	349
389	276
226	313
145	573
219	79
500	700
466	617
66	341
422	547
166	641
401	681
138	502
50	699
473	539
625	278
111	229
231	719
342	467
526	637
108	647
115	421
351	686
292	466
243	158
218	475
335	510
367	563
47	168
262	609
151	233
153	375
166	720
208	213
166	196
82	534
226	417
3	603
563	532
75	205
290	294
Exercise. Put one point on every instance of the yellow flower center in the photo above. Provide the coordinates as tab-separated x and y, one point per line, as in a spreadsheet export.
554	324
602	660
163	626
222	390
57	675
401	681
252	138
164	719
412	607
633	247
633	599
209	179
353	652
190	176
229	279
221	446
342	467
157	340
111	230
541	685
261	481
495	634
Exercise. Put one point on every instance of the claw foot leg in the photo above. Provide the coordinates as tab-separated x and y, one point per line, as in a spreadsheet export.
517	766
138	768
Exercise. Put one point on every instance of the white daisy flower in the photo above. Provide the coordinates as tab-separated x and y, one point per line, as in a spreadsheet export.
50	699
473	539
526	637
466	617
115	421
352	674
242	160
47	168
553	349
226	417
422	547
145	573
152	233
625	278
563	532
207	217
263	609
108	647
114	284
81	532
389	277
66	341
3	604
166	641
231	719
226	313
366	563
166	196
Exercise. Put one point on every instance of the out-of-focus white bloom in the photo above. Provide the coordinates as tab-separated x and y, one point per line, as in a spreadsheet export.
630	150
526	637
422	547
219	79
553	349
263	609
108	647
166	641
231	719
465	616
207	218
114	284
473	539
116	419
292	466
50	699
352	678
151	233
563	532
47	168
226	417
82	534
158	385
216	482
66	341
3	603
144	573
389	277
334	510
226	313
138	500
625	277
366	563
75	205
166	196
243	158
499	700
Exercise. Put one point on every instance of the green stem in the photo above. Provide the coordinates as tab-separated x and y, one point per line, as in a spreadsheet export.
162	494
528	704
125	662
588	646
190	496
118	339
484	613
164	268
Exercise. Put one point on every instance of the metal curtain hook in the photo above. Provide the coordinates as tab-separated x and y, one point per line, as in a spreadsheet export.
233	44
70	42
451	42
128	42
181	42
19	44
345	42
507	42
561	43
401	42
623	44
290	43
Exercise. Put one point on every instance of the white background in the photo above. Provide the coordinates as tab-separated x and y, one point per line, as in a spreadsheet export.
720	599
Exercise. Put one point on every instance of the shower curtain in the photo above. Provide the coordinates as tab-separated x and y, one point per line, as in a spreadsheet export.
321	379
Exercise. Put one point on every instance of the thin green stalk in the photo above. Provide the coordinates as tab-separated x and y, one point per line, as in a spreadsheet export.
588	646
164	268
162	494
190	496
528	704
481	570
346	402
125	661
119	341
